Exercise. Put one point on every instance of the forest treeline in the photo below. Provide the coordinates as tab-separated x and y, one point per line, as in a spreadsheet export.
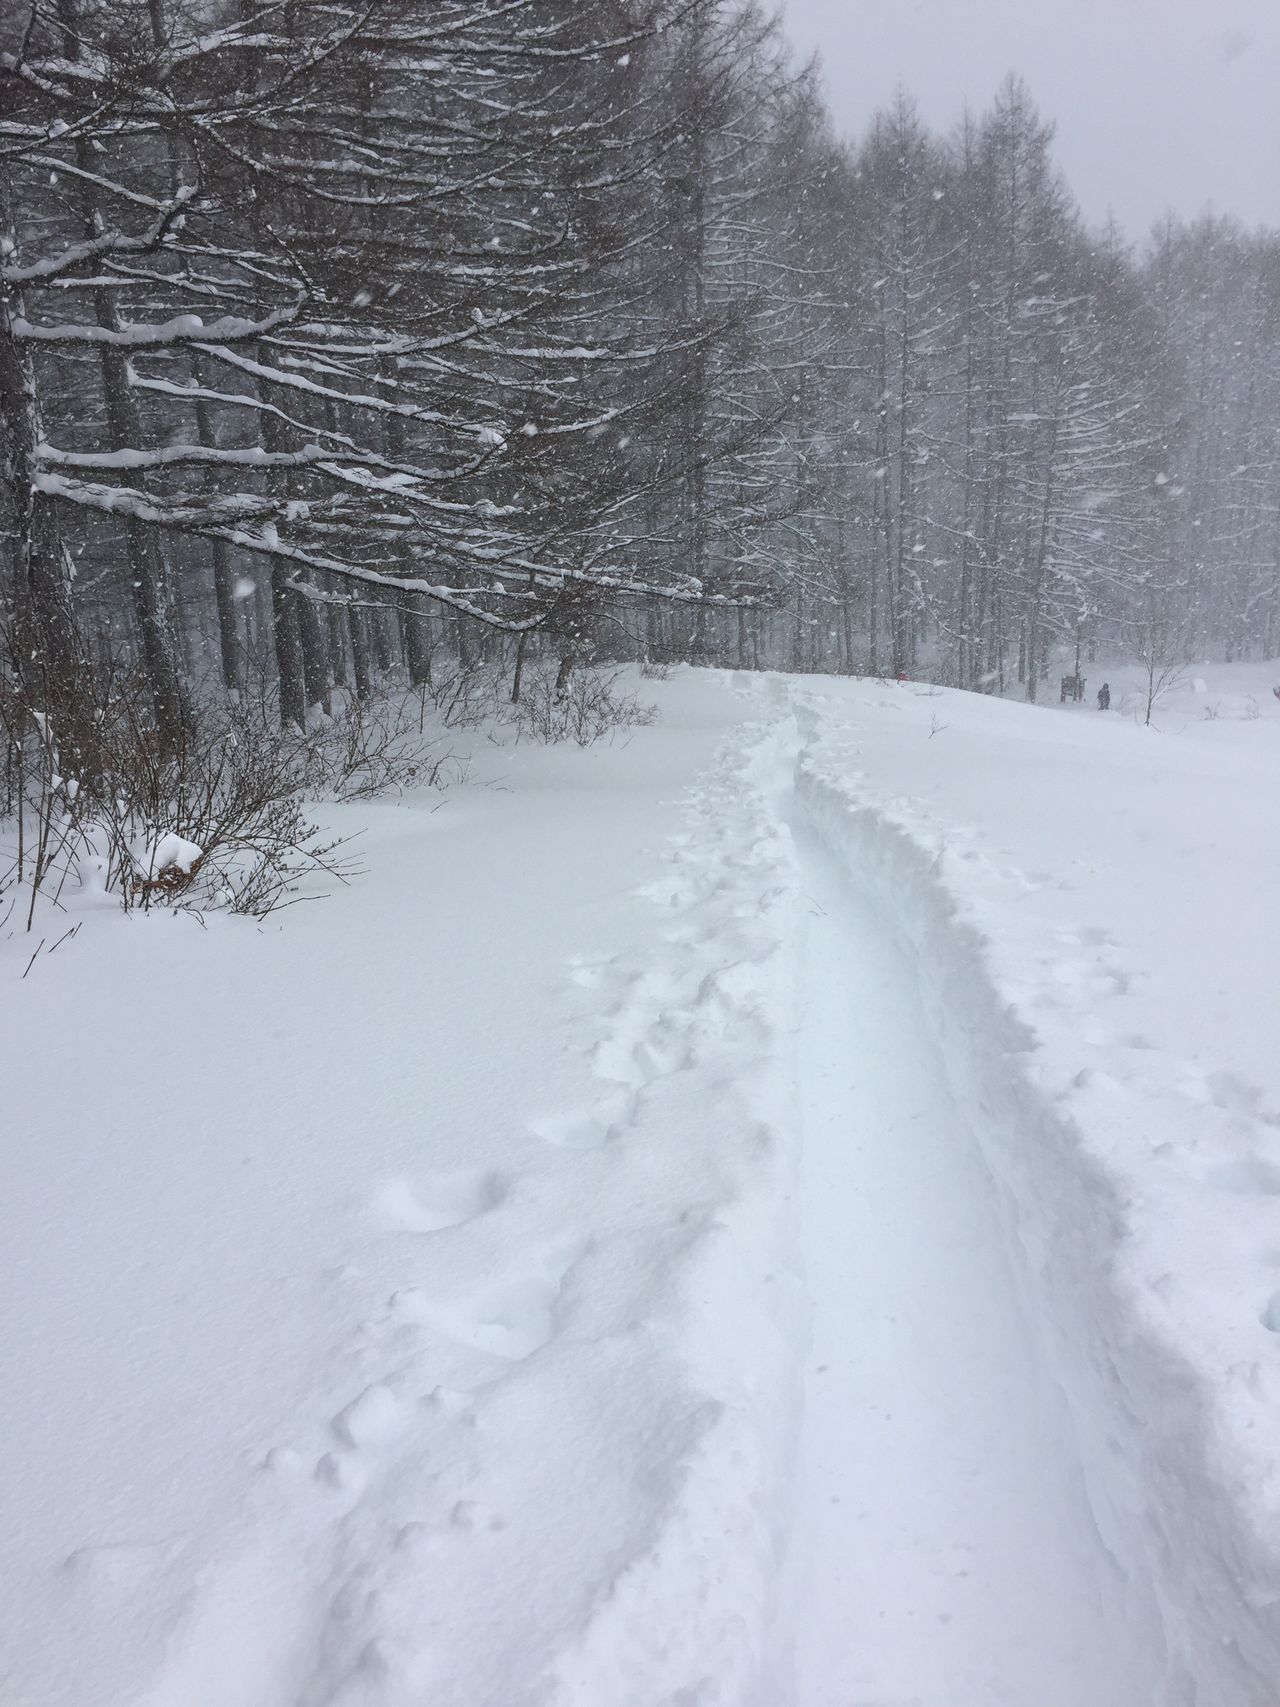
337	339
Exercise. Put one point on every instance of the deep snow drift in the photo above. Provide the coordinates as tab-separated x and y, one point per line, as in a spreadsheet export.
780	1210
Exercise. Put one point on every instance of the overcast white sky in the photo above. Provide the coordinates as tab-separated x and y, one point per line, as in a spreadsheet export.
1158	103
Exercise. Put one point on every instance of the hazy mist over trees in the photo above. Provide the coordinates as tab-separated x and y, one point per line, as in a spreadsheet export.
339	341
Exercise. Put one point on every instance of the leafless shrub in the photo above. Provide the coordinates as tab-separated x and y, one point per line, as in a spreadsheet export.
213	816
364	750
462	694
585	709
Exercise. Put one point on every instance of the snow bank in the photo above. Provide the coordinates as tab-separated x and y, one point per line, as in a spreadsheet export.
1138	1194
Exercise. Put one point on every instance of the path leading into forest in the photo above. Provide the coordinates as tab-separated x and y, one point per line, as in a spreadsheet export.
944	1550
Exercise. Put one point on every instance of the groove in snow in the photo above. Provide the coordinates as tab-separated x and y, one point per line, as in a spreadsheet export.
944	1553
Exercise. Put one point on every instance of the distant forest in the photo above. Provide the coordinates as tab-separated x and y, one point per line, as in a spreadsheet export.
343	343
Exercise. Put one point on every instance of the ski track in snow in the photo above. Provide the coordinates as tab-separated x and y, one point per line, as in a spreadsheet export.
556	1465
947	1552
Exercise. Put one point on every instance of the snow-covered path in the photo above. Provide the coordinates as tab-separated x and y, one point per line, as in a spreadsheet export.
406	1300
944	1541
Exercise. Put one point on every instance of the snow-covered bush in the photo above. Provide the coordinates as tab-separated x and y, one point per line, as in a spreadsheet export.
587	705
586	708
463	693
213	815
215	812
378	747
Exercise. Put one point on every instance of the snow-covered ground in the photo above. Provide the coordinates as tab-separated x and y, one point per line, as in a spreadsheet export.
779	1211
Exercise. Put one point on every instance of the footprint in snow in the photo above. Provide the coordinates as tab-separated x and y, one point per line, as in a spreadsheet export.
421	1539
372	1418
590	1129
384	1671
1237	1096
448	1202
511	1320
119	1566
1250	1175
660	1046
475	1518
341	1471
613	976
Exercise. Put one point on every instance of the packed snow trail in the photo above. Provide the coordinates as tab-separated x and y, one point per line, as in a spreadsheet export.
945	1544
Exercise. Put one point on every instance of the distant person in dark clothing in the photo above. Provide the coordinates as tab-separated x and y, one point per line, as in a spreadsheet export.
1104	697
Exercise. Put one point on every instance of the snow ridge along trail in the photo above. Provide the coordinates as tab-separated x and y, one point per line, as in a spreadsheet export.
1136	1190
698	1048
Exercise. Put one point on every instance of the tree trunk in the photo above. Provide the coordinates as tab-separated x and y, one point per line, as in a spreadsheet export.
337	646
299	645
45	643
417	639
223	565
359	635
315	652
145	566
381	640
288	647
